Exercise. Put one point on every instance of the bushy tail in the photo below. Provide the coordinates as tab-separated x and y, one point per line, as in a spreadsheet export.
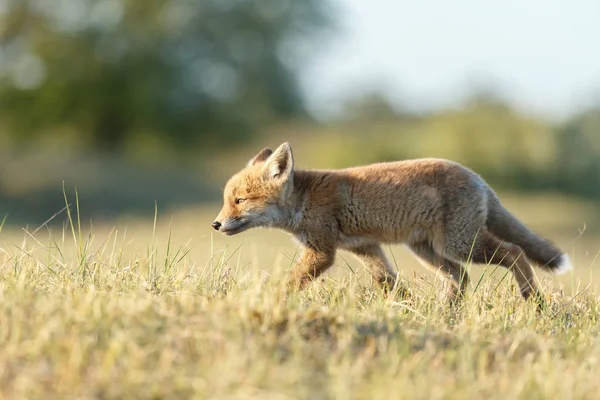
507	227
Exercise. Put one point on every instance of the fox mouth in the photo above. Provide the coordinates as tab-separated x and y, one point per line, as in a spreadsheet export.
234	227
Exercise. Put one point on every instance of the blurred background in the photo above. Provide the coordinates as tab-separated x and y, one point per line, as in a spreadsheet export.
133	103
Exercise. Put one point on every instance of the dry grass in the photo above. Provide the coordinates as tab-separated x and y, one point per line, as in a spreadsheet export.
147	314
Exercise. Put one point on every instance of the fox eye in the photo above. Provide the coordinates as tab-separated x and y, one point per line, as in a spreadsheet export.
239	200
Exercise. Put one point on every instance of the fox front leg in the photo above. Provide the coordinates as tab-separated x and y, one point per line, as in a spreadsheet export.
312	264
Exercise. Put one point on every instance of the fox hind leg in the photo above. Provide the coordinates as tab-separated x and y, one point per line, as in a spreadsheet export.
446	269
375	261
489	249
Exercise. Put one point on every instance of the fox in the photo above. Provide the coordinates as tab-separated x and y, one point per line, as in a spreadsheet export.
444	212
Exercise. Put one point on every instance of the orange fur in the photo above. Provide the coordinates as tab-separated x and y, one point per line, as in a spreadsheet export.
444	212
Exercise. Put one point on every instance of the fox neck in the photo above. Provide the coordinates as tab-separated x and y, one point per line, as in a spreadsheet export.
293	209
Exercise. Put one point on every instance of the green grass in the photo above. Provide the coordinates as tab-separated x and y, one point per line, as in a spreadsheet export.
164	309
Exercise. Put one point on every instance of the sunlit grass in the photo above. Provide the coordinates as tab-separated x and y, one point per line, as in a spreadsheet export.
164	309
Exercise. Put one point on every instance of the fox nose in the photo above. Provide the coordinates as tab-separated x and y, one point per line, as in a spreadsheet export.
216	225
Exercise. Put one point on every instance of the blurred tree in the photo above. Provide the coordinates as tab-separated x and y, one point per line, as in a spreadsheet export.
200	71
372	106
491	137
578	154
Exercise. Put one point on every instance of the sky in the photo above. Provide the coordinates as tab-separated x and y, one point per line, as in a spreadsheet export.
543	56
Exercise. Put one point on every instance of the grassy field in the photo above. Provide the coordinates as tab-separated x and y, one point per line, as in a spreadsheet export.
162	308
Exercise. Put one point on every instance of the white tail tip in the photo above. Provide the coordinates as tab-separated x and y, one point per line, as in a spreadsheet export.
564	265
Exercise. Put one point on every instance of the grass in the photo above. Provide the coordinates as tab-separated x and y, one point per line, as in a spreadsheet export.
146	312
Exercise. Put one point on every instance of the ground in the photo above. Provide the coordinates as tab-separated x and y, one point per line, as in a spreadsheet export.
145	308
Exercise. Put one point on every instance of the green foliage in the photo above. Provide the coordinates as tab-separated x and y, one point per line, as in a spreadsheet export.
578	156
210	74
510	149
189	70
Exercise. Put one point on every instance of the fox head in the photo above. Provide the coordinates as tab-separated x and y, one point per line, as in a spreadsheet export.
257	195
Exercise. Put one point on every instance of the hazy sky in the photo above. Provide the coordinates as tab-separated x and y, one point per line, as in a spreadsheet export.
543	55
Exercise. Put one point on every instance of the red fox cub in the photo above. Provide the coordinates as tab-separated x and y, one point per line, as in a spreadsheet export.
445	213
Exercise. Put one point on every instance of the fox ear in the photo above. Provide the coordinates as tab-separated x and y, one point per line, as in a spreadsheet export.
281	163
260	157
